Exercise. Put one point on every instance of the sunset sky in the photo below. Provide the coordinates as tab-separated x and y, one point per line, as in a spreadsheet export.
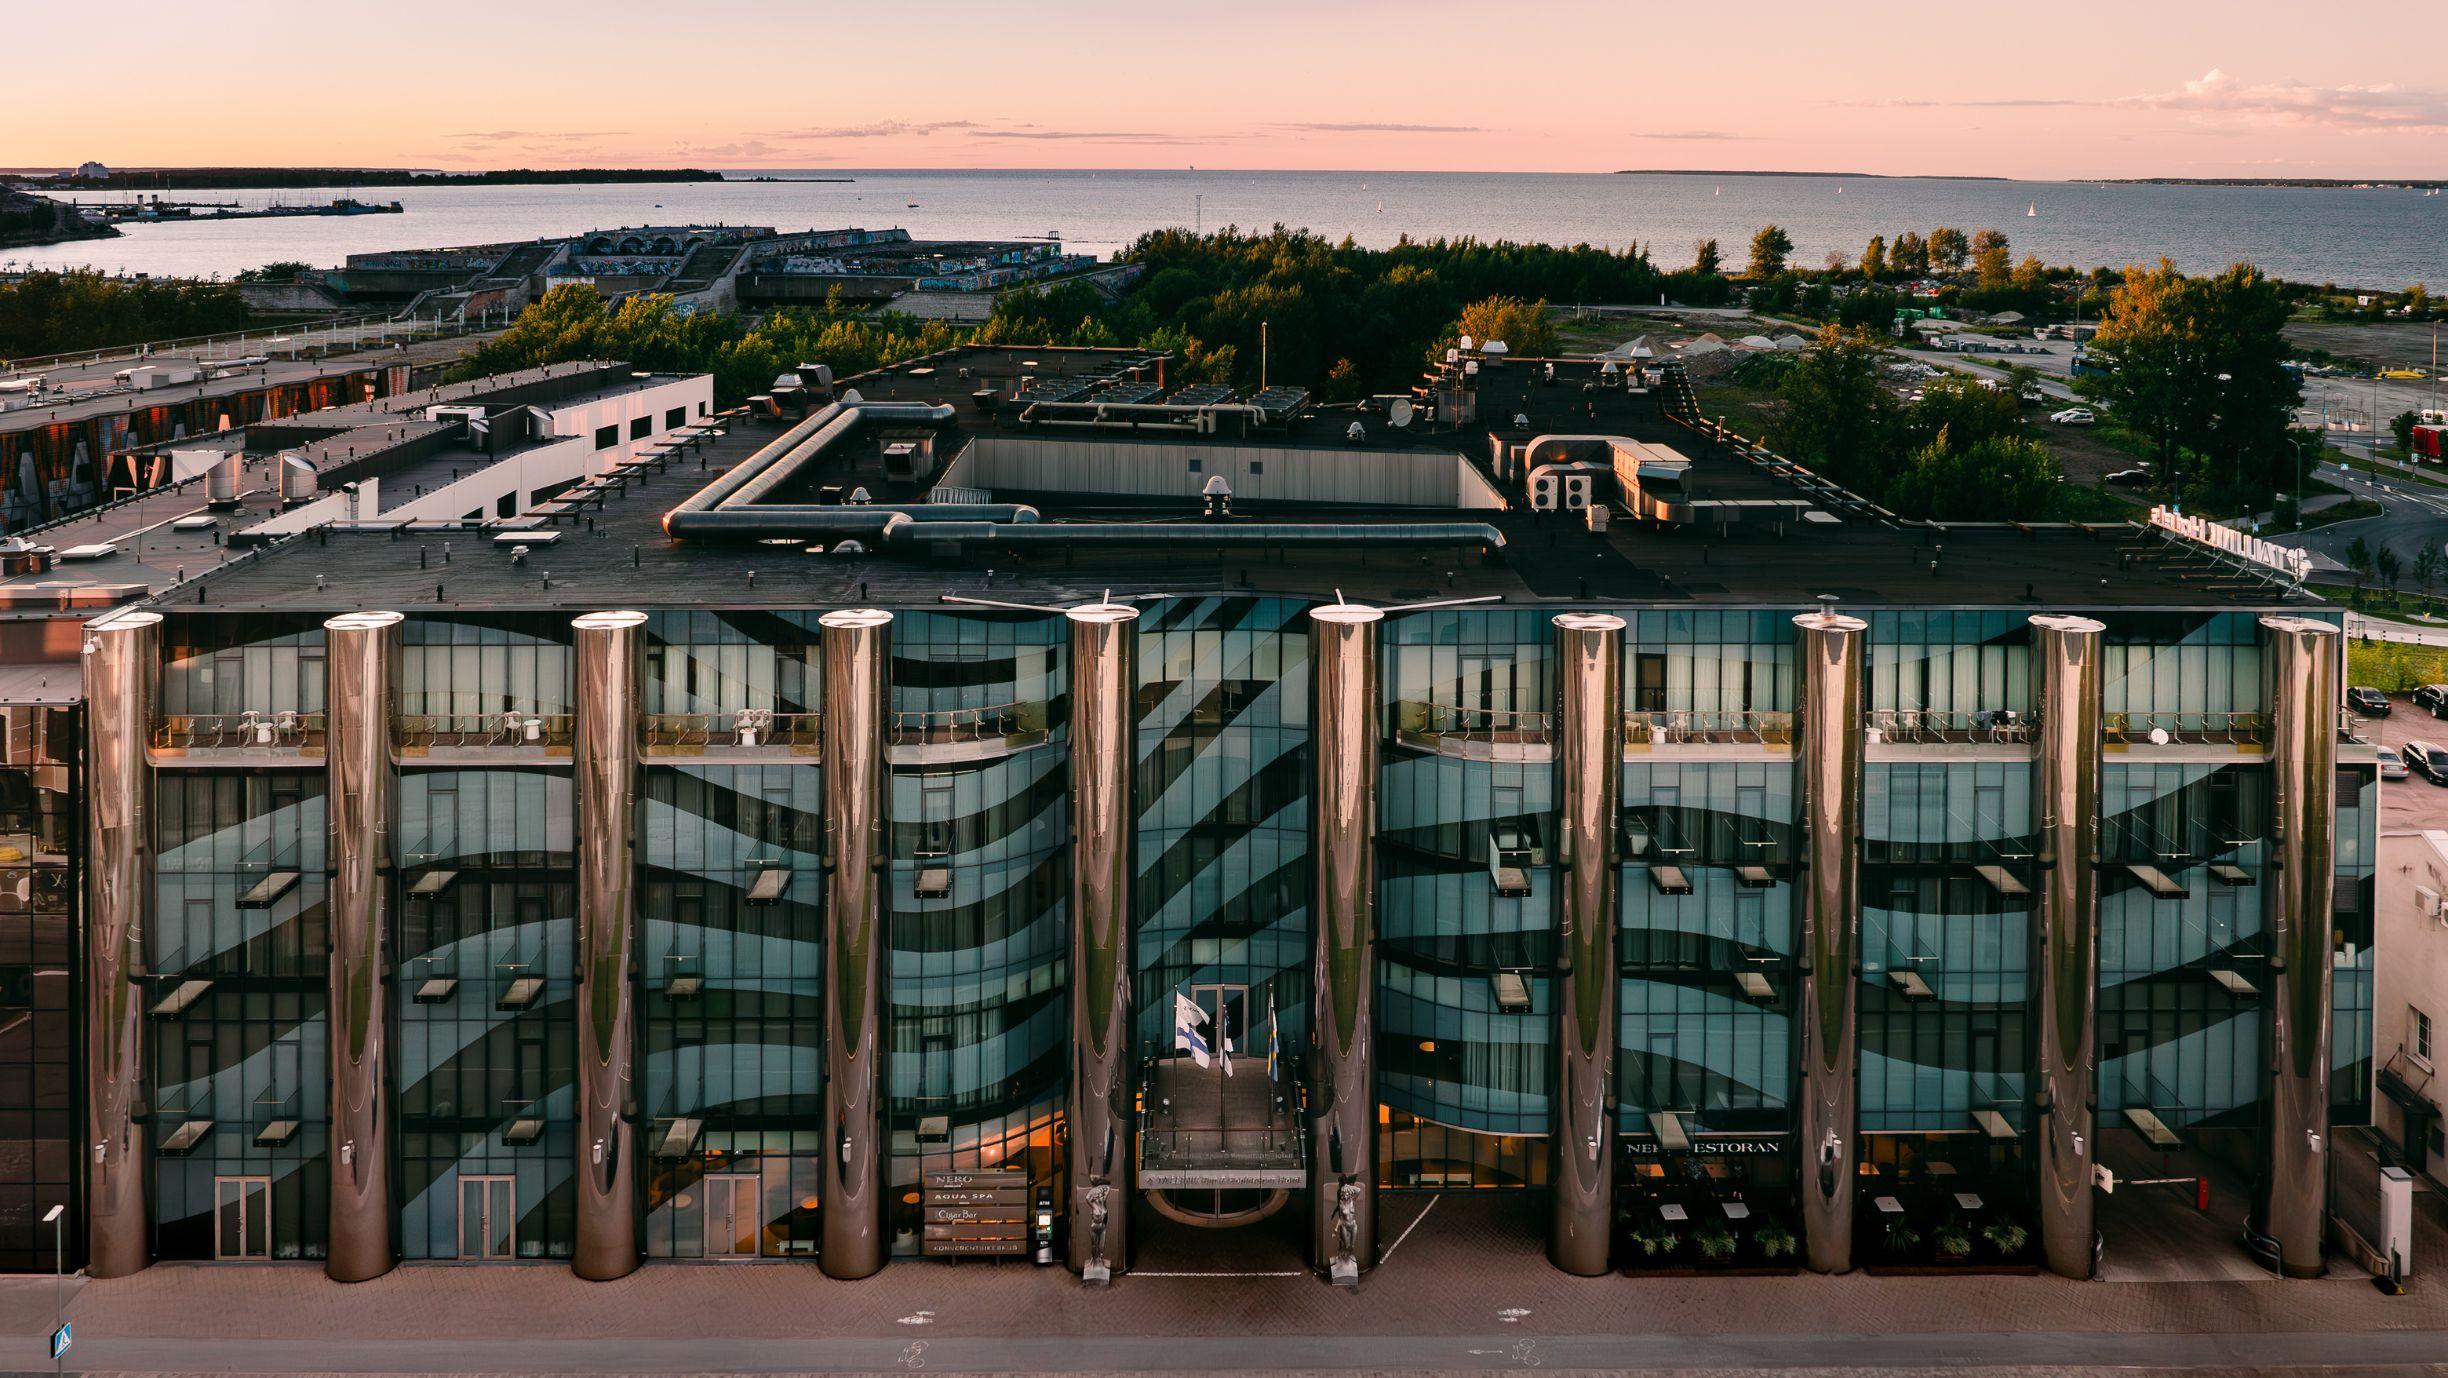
2072	89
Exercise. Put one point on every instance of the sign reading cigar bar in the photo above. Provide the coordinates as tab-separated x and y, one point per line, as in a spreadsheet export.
974	1214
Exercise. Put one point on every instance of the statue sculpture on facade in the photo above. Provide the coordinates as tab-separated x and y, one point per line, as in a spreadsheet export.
1100	1213
1344	1268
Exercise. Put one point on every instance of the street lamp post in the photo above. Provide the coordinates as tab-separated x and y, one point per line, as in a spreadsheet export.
56	1218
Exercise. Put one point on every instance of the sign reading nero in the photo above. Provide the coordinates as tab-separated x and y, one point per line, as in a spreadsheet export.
1719	1146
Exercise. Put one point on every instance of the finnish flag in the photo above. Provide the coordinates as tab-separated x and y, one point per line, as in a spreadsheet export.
1187	1017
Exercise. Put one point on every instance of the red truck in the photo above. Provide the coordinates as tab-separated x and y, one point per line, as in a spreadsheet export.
2431	443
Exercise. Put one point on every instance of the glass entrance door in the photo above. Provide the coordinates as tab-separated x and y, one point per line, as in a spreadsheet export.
488	1218
1227	1010
242	1217
732	1223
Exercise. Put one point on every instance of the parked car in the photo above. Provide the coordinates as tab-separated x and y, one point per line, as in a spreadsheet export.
2369	702
2392	763
2129	476
2074	416
2428	760
2431	697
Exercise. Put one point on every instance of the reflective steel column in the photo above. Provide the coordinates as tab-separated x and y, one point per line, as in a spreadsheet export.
609	655
1589	783
1343	928
1102	1109
1828	789
361	660
2065	934
2303	659
122	671
857	689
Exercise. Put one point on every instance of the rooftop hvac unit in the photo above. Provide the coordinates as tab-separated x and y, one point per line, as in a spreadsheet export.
1559	492
298	483
1597	514
221	482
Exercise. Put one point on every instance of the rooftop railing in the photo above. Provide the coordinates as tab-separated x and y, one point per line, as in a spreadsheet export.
252	730
423	732
1696	726
689	733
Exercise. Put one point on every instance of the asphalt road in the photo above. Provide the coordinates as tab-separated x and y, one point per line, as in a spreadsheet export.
2415	515
2393	1351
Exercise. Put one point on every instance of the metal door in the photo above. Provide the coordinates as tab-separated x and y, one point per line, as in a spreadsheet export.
733	1226
242	1217
488	1218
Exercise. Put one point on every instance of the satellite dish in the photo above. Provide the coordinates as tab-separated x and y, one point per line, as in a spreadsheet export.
2159	736
1399	414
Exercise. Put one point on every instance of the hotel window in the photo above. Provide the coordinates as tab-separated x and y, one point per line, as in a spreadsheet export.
607	436
2421	1034
677	416
641	427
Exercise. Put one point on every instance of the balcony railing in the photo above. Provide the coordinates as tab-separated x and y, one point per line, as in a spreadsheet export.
2193	729
1952	726
1734	727
286	731
423	732
1437	725
1008	724
683	734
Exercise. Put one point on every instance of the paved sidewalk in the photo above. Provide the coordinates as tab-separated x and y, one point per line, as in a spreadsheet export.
1465	1290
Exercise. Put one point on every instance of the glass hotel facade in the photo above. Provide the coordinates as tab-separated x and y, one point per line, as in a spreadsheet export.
706	934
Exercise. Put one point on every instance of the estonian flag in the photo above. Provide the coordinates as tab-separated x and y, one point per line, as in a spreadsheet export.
1187	1016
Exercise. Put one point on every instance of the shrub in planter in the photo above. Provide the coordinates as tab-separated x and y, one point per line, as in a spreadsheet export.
1774	1240
1655	1242
1953	1241
1902	1239
1716	1244
2005	1236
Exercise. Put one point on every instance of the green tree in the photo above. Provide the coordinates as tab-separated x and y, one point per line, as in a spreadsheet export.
2427	568
2418	301
2386	561
1911	255
1524	326
2000	478
1992	264
1959	407
2359	559
1948	249
2401	427
1768	250
1836	414
2195	366
1706	261
1874	259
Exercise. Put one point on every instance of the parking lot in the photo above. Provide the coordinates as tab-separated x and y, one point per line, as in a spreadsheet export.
2412	802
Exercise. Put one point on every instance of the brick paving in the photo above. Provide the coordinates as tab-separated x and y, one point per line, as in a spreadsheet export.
1470	1262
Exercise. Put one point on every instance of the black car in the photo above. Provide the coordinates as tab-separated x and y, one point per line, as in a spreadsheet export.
2369	702
2428	760
2431	696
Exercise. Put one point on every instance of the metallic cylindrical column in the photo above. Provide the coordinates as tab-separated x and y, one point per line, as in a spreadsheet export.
2303	660
1343	932
1102	1107
2065	935
1828	787
361	664
610	653
1589	784
122	671
857	687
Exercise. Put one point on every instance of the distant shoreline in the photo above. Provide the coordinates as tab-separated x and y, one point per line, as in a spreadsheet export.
2284	183
250	178
1861	176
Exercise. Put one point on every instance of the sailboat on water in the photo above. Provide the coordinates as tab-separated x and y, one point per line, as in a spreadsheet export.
2032	210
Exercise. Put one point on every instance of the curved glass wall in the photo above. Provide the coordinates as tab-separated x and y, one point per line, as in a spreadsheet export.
1707	947
2183	847
980	1024
730	944
237	951
1466	896
1945	950
487	1044
2358	814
